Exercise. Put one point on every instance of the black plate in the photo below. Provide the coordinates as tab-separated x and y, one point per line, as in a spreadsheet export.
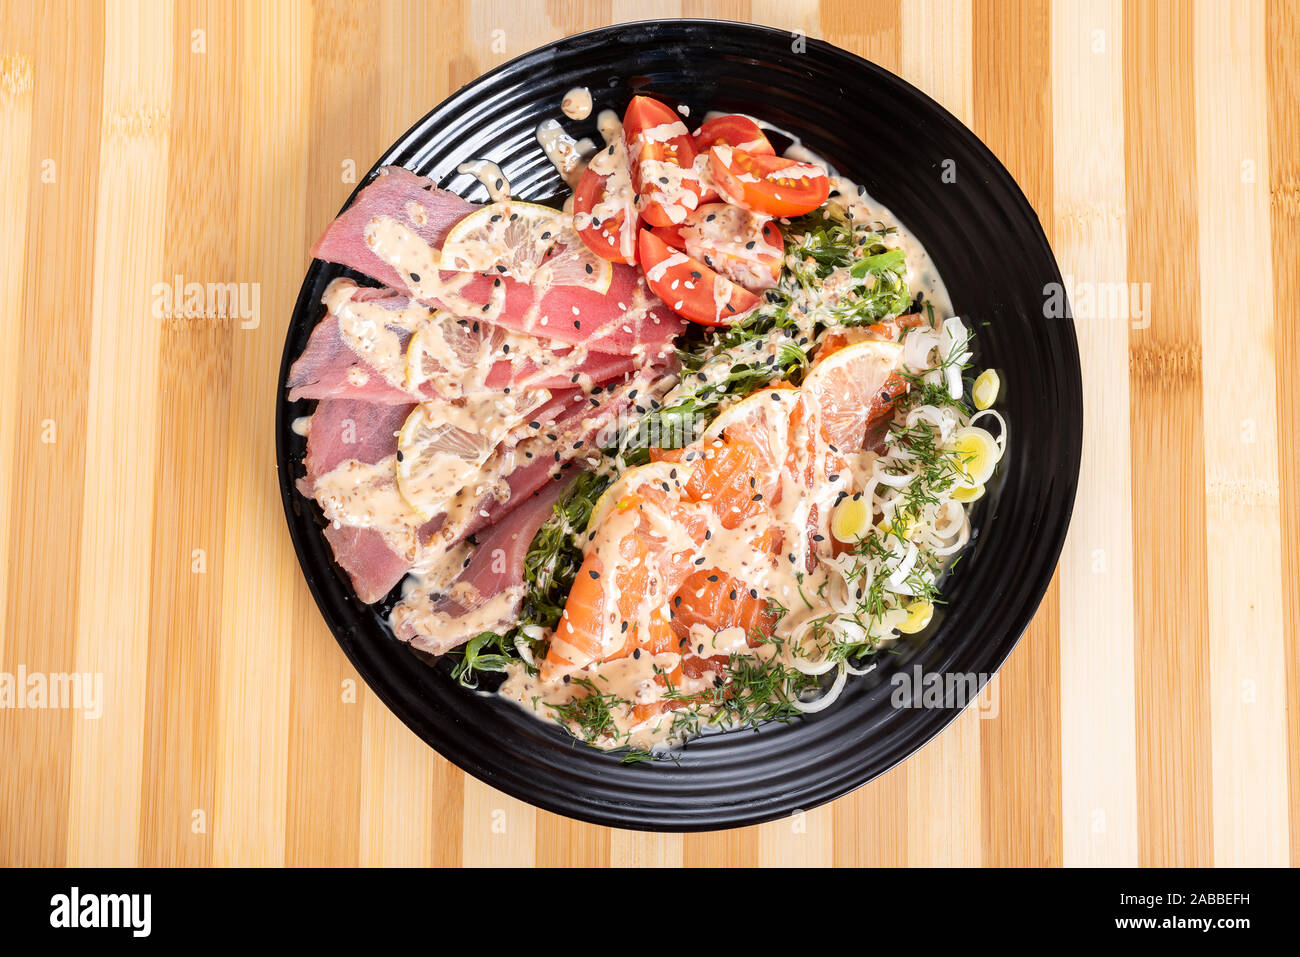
992	253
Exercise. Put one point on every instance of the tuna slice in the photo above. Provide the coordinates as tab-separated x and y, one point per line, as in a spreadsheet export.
627	319
488	594
358	351
568	429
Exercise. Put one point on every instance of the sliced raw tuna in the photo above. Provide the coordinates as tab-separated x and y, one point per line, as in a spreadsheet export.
370	562
410	199
343	429
372	366
488	594
627	319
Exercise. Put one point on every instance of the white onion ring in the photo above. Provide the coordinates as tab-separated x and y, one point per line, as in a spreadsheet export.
1003	432
826	700
917	347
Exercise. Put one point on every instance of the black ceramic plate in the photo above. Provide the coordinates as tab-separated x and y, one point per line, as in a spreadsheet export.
990	249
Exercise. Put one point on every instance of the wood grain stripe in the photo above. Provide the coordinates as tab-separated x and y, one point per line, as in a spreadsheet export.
943	793
62	182
1098	746
117	558
15	180
642	849
1282	33
1020	738
263	605
324	702
1166	430
190	516
1242	519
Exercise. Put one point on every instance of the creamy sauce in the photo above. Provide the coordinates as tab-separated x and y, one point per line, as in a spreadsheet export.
576	104
490	175
619	196
567	155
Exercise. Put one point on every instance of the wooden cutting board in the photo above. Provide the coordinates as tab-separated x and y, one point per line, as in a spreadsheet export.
1148	718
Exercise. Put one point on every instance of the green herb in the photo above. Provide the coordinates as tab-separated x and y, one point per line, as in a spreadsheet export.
551	564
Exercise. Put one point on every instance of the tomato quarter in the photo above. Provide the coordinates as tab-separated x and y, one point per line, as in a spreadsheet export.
734	130
738	132
772	185
602	217
661	159
690	288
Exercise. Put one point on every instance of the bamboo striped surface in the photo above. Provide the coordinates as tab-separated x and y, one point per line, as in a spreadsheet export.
1150	715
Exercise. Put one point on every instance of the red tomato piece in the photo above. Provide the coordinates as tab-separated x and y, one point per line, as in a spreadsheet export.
743	246
661	160
689	287
771	185
738	132
602	219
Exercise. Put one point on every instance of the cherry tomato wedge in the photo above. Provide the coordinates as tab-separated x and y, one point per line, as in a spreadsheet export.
744	247
771	185
610	237
732	130
738	132
661	160
690	288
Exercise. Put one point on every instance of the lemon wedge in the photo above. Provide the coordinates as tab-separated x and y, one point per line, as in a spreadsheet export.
754	410
524	241
438	457
843	383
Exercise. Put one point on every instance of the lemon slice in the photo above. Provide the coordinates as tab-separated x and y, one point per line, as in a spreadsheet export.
753	410
844	383
442	448
527	242
452	355
919	614
976	453
985	390
674	474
